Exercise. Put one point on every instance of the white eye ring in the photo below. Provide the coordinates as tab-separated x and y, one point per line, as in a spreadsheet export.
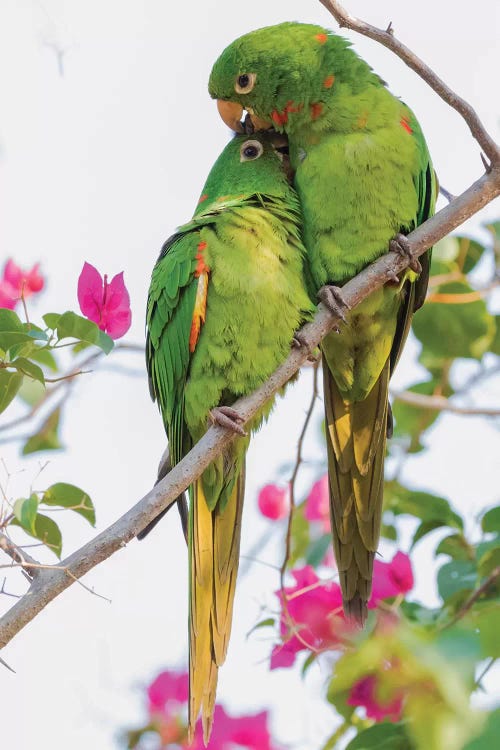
251	150
245	83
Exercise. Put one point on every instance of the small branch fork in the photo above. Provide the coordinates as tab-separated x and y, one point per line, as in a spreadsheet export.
440	403
49	583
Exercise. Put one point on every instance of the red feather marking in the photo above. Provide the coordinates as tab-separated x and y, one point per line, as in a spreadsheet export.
200	265
203	198
405	123
316	110
322	38
328	82
281	118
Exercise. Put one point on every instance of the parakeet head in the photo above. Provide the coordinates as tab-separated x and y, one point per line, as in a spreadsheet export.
286	76
248	164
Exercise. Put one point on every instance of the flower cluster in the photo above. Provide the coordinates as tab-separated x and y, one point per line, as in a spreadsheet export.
16	283
167	709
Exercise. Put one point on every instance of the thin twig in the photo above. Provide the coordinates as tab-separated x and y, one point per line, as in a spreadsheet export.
16	553
387	38
491	662
294	627
440	403
477	594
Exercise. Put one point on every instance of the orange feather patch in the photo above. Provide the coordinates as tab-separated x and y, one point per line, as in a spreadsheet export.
316	110
281	118
203	198
199	312
328	82
321	38
405	123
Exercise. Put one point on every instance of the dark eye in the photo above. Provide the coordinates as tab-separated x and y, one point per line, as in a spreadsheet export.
245	83
251	150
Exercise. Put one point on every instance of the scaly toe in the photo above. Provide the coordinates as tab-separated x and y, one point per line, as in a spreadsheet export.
401	245
229	418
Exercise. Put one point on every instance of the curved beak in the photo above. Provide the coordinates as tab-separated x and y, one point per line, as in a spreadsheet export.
231	113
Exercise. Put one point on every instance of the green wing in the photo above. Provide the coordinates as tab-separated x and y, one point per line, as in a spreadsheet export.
414	291
169	316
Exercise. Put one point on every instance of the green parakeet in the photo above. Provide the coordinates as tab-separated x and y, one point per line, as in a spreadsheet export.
363	176
226	295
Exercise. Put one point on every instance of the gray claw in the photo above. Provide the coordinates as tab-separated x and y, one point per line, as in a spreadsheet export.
229	418
401	245
331	296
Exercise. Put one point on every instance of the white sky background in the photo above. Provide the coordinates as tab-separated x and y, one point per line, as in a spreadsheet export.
101	164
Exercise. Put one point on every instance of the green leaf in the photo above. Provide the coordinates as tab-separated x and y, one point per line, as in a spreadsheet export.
317	550
45	357
484	617
488	739
455	330
10	382
26	367
31	392
46	439
425	528
25	510
495	343
429	508
71	325
51	320
384	736
488	562
70	497
459	575
10	321
46	531
418	613
491	520
414	420
389	531
470	253
456	546
300	535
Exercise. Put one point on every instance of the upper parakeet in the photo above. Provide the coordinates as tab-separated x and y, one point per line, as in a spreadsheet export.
363	176
226	295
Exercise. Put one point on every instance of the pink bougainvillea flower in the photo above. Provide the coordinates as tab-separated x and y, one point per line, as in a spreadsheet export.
15	283
229	732
169	687
365	693
274	501
318	621
105	303
391	579
318	503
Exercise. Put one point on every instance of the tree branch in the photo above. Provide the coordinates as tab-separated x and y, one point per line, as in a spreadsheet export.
440	403
387	38
50	583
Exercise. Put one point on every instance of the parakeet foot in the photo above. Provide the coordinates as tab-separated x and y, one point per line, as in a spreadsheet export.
331	296
227	417
400	244
299	341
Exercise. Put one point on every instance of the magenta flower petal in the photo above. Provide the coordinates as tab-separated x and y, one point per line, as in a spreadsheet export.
274	501
391	579
166	688
90	292
318	503
107	305
16	283
364	694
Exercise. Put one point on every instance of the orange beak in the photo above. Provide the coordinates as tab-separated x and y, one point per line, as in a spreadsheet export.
231	113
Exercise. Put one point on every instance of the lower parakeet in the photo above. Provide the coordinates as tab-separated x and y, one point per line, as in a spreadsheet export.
226	296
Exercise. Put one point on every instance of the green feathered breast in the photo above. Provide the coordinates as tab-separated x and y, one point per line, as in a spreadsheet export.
226	296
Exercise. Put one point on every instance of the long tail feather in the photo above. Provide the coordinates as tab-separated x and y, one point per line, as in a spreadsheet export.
214	548
356	438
